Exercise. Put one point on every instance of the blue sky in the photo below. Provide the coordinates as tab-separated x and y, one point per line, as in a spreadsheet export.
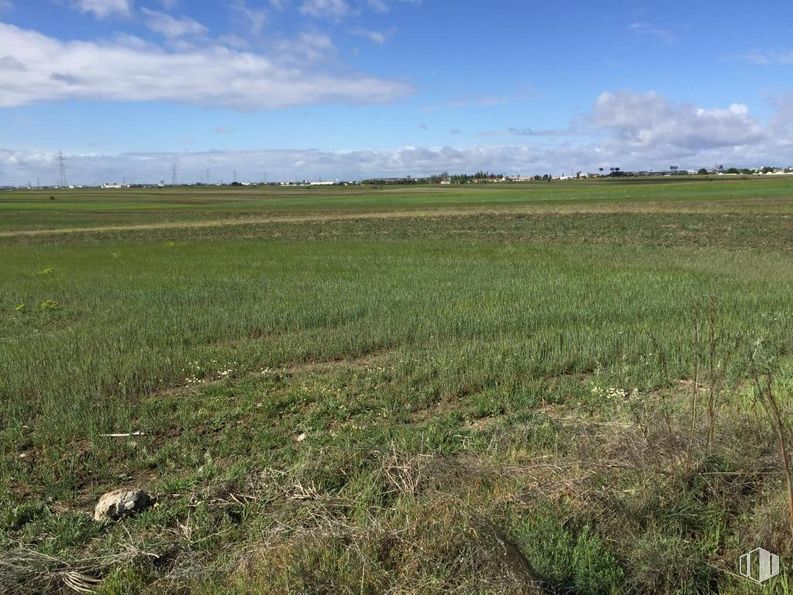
354	88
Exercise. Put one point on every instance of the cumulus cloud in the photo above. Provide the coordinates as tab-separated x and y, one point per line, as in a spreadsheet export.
648	120
172	27
104	8
624	129
43	68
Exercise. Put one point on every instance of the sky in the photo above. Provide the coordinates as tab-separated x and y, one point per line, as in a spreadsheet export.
254	90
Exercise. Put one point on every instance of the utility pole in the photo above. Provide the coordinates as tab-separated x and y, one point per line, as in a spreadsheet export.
61	170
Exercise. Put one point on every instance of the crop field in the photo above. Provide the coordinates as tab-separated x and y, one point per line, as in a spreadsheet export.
518	388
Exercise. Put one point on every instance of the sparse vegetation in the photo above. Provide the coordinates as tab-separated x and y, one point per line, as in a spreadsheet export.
548	388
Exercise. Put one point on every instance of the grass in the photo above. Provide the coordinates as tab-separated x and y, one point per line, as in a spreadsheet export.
492	399
37	210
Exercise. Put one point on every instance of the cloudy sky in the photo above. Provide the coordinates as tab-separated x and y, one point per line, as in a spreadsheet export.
310	89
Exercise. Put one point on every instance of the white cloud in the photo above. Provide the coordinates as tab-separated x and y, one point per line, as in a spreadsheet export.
378	5
651	30
385	5
338	9
129	69
625	129
306	47
21	167
253	18
334	9
769	57
105	8
172	27
378	37
648	121
486	101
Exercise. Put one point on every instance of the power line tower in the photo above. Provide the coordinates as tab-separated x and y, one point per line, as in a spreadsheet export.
61	170
173	175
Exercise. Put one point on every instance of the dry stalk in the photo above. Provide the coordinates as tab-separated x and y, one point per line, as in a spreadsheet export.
26	570
695	384
713	367
765	394
403	476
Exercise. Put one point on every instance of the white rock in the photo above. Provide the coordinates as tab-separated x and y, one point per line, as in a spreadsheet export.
120	503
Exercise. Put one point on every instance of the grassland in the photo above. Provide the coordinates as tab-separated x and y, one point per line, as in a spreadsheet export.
31	210
470	389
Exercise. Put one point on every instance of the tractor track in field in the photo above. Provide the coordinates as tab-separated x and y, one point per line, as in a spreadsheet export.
556	209
239	222
209	223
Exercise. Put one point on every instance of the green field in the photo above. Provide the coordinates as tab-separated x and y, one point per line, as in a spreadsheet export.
76	209
497	388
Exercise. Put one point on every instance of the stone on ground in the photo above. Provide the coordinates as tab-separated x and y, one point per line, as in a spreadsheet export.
121	503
